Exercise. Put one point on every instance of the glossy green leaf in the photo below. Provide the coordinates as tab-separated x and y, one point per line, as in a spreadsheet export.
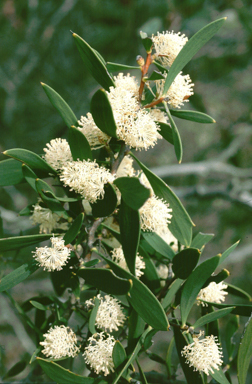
197	117
92	318
29	176
141	373
64	376
142	300
219	376
166	132
12	243
222	275
66	278
156	76
16	369
150	276
136	329
44	300
158	244
160	67
38	305
105	280
245	353
51	194
184	262
201	239
53	204
61	106
74	229
192	377
115	67
230	329
79	145
173	289
190	49
35	162
119	354
91	263
129	221
148	342
27	211
236	291
146	41
10	172
194	284
181	224
115	233
175	135
106	206
169	356
239	309
212	317
102	113
93	63
134	193
228	251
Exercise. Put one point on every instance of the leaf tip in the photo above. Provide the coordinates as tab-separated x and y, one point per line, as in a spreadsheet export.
42	84
214	121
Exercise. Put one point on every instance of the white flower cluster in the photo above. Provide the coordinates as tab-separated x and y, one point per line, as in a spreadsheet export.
57	153
59	342
53	258
213	292
98	353
167	46
126	168
118	257
204	355
47	219
86	178
109	315
93	134
155	215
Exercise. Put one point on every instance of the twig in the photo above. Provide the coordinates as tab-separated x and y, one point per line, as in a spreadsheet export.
91	236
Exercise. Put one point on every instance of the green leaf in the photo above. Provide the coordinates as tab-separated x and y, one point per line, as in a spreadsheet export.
201	239
27	211
105	280
38	305
212	317
160	67
115	233
51	203
228	251
16	369
173	288
150	277
157	243
106	206
184	262
12	243
115	67
61	106
18	275
136	328
79	145
134	193
129	221
102	113
66	278
236	291
146	41
64	376
29	176
62	199
194	284
92	318
156	76
166	132
119	354
239	309
175	135
10	172
219	376
141	373
169	356
190	49
148	339
142	300
35	162
181	224
93	63
195	116
73	231
222	275
231	328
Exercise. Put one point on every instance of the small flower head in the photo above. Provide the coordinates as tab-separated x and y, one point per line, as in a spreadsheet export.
110	315
57	153
126	168
179	92
98	353
155	214
118	257
203	355
93	134
158	115
167	46
162	271
128	83
213	292
47	219
59	342
86	178
53	258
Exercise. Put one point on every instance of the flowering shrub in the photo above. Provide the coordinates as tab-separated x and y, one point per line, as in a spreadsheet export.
122	247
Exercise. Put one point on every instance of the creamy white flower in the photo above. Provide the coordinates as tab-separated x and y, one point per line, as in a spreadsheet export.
118	257
162	271
179	92
128	83
59	342
53	258
158	115
204	355
167	46
98	353
57	153
47	219
86	178
213	292
93	134
109	315
155	214
126	167
146	182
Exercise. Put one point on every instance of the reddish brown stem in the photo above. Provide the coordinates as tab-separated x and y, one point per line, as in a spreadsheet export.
154	103
144	70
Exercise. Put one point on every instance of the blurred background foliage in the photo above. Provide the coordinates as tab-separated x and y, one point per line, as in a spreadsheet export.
214	180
